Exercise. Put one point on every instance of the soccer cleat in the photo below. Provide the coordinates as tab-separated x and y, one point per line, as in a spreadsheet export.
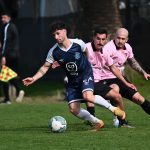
126	125
119	113
98	126
20	96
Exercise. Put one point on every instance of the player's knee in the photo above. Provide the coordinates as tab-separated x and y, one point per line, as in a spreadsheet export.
74	111
88	98
115	87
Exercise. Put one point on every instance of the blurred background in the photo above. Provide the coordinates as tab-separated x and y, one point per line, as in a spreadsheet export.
33	19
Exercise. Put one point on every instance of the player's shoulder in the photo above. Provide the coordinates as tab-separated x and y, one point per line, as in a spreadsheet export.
109	46
54	47
88	44
77	41
128	46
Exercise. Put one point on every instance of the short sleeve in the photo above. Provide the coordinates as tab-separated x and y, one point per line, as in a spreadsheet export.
130	52
50	57
81	43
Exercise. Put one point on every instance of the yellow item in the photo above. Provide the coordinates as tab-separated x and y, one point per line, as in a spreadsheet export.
7	74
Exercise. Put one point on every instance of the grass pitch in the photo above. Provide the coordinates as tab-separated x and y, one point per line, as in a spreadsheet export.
25	126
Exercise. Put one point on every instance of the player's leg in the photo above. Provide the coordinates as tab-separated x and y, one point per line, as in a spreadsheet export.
101	88
75	109
114	96
74	96
88	96
90	108
140	100
134	96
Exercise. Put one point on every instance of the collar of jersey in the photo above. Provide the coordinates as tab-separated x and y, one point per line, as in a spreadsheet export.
65	50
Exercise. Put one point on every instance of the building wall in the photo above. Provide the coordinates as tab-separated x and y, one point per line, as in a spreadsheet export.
46	8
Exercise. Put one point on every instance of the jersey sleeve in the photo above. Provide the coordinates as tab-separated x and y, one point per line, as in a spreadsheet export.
130	52
50	57
83	46
81	43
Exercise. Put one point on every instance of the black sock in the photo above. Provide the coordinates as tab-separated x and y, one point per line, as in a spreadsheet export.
121	121
91	110
146	106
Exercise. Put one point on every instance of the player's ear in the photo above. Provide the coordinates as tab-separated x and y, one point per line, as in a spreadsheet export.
127	39
108	36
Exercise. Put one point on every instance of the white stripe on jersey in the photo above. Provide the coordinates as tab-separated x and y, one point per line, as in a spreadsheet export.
50	58
80	42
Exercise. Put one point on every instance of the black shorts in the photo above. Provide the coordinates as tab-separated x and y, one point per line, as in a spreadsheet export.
125	91
100	88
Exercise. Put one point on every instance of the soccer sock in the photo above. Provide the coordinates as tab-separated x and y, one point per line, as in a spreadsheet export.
85	115
121	121
101	101
91	110
146	106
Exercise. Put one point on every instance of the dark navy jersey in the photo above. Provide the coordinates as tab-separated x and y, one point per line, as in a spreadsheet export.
72	60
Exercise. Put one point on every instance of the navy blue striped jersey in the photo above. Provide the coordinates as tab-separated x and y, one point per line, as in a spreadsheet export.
72	60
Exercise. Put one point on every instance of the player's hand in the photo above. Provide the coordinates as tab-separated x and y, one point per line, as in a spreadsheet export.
28	81
131	86
3	61
55	64
146	76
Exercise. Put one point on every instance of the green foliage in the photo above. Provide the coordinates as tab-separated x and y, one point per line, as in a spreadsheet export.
25	126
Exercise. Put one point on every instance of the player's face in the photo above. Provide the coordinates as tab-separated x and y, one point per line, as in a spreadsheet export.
99	41
60	35
120	40
5	19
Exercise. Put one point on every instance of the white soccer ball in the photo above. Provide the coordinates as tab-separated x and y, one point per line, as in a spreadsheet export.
57	124
116	123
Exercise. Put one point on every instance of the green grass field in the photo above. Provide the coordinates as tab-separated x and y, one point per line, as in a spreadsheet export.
24	126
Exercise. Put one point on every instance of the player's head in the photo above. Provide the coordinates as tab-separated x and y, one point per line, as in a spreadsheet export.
121	37
5	17
59	30
99	38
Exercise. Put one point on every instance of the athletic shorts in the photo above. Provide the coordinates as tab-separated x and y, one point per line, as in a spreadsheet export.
124	90
75	92
100	88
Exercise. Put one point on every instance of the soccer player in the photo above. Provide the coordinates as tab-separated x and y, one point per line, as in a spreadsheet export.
103	65
69	54
121	52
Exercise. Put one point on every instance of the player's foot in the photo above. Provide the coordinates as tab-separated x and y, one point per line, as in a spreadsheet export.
119	113
20	96
126	125
98	126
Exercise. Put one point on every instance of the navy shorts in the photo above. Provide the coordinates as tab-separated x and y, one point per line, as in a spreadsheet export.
124	90
100	88
75	92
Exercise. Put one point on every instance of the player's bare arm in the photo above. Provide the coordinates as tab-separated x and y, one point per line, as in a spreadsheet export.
117	73
40	73
136	66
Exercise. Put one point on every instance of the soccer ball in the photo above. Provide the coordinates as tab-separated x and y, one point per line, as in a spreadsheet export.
116	123
57	124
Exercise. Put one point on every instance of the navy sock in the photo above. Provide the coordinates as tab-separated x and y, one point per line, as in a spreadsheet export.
91	110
